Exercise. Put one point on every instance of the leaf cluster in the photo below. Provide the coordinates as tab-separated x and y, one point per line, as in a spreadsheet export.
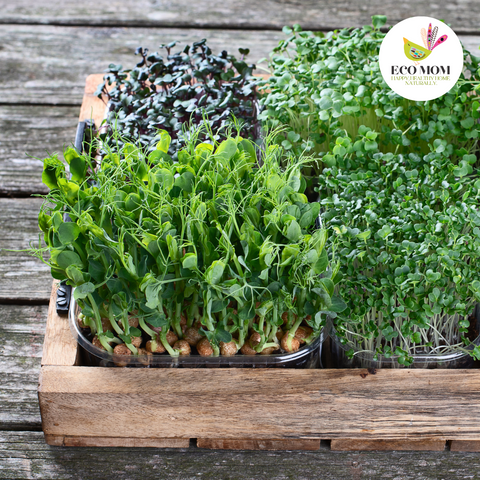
407	236
169	91
324	83
223	238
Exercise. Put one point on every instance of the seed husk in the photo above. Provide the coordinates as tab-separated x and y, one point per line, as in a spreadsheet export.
183	346
204	348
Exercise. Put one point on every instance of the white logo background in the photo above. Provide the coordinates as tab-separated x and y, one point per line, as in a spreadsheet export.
420	85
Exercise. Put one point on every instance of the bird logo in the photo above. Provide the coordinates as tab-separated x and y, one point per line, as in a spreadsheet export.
418	53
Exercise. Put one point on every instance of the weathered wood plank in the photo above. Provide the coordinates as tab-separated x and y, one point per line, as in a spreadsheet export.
238	403
24	455
22	277
465	446
252	444
413	444
67	441
60	348
268	14
93	107
48	65
21	330
28	134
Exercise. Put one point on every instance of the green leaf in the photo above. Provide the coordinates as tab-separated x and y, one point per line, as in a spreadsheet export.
274	182
172	248
475	109
125	339
249	150
69	189
78	169
289	253
75	274
467	123
214	273
185	181
293	232
222	335
327	285
157	320
156	156
364	235
310	215
68	232
322	263
70	154
227	149
338	305
247	312
432	276
164	142
219	305
83	291
53	169
66	258
189	261
378	21
135	332
164	177
384	232
416	337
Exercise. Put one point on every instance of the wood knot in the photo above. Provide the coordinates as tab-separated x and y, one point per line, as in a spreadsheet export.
371	371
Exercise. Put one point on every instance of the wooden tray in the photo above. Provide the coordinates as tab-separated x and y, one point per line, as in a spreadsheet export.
266	409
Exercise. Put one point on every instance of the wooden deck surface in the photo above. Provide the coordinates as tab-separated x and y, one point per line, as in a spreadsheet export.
47	48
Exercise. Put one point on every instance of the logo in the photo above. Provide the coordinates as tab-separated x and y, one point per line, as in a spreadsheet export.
421	58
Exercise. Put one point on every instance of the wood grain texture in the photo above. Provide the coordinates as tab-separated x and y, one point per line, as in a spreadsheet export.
48	65
27	135
22	277
21	333
93	107
413	444
253	444
262	404
268	14
66	441
25	455
59	348
465	446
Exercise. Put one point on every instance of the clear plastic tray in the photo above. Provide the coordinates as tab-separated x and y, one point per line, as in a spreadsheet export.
365	359
307	357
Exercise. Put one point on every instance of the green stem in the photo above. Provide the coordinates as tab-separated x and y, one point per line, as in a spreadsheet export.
104	343
132	348
170	350
113	322
126	325
147	329
177	319
193	310
291	332
98	318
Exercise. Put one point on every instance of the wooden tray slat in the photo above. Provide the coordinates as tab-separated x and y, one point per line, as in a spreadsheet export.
59	347
255	444
352	444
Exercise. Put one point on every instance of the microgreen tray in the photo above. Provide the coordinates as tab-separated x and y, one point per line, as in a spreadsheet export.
307	357
365	359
